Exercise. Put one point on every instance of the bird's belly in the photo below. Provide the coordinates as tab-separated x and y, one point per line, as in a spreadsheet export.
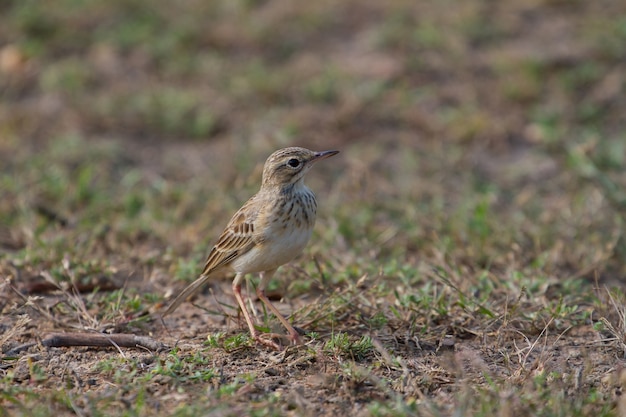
274	252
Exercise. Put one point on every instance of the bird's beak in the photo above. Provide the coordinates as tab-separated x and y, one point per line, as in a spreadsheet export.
323	155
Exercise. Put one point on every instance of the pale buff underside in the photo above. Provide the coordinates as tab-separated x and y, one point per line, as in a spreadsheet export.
282	248
261	244
251	242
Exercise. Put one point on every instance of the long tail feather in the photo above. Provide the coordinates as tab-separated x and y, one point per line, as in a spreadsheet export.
191	289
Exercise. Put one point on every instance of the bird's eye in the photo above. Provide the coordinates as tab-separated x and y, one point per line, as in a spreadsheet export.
293	162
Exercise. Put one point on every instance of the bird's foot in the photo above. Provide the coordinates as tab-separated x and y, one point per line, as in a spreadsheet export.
295	338
268	339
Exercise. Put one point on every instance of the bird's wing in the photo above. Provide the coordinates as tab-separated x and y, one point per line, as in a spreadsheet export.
237	239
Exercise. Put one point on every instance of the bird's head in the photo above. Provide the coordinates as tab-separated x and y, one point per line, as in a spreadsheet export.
289	165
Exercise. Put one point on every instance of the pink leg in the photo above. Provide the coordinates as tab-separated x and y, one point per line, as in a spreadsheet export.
253	331
294	336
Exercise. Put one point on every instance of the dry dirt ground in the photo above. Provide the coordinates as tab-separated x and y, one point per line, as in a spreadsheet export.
469	256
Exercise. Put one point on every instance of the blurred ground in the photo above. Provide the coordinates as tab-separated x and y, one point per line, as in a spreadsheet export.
469	252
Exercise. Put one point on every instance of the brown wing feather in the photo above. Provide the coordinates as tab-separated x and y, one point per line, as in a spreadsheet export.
235	240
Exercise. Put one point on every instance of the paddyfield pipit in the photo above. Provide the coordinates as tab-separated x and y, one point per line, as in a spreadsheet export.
269	230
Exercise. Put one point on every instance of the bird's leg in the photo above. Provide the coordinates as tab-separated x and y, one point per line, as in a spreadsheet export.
294	336
253	331
251	305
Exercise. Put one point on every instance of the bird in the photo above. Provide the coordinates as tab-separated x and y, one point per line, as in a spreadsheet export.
268	231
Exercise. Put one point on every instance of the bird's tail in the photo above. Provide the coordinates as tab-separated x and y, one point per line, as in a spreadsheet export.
191	289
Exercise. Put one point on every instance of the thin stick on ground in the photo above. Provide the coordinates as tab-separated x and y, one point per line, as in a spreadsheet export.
95	340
